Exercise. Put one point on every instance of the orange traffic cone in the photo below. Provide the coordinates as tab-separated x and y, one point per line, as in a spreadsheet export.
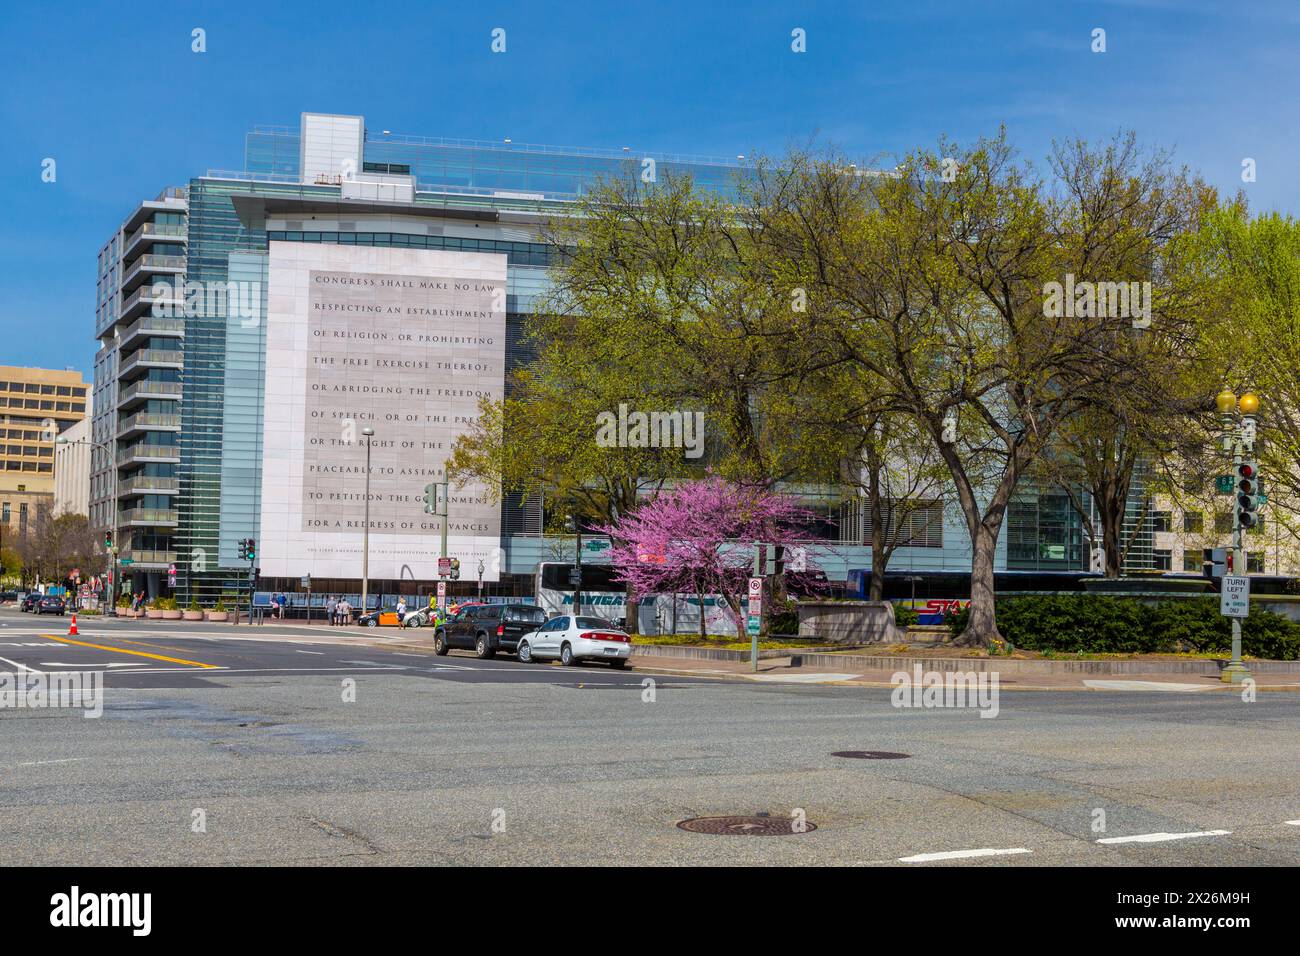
72	628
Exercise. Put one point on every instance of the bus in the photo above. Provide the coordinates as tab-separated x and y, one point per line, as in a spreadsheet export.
603	595
932	594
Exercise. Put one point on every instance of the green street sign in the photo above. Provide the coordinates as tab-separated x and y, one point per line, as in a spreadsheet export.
753	625
1225	484
597	545
126	561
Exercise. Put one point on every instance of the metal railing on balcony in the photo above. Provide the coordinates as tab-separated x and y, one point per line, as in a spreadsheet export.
146	453
145	390
148	485
147	516
158	232
152	358
152	325
148	421
148	265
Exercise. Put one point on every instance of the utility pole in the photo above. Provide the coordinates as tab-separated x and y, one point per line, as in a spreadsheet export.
365	531
575	577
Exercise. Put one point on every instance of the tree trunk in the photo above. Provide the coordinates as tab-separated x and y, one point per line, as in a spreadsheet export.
703	631
981	626
1112	530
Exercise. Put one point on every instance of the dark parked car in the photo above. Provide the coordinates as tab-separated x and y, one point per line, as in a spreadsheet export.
488	628
51	605
6	596
29	602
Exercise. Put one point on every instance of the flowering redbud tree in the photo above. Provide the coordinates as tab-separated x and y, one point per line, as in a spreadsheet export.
698	538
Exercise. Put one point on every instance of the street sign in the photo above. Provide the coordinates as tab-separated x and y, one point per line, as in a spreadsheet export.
126	562
444	567
1225	484
306	582
442	593
1234	597
597	545
753	625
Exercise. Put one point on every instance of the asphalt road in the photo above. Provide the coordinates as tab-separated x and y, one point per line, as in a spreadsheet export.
223	745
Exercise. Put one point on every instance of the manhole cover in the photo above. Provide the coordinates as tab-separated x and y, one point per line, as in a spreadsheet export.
747	826
870	755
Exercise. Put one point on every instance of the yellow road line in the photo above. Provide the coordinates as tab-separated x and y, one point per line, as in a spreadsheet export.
123	650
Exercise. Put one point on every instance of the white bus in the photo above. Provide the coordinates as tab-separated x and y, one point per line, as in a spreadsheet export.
603	595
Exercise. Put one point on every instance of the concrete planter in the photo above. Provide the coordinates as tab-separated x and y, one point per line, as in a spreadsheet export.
849	622
218	616
192	615
153	614
172	615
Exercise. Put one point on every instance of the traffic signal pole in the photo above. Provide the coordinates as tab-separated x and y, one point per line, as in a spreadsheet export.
1239	438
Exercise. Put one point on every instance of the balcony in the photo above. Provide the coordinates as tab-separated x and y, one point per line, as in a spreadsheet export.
145	359
148	326
148	485
148	266
137	393
171	199
148	454
152	232
167	299
146	560
147	518
143	422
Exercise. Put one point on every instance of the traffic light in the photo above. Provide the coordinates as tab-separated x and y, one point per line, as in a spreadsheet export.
1247	495
430	499
108	540
252	549
243	549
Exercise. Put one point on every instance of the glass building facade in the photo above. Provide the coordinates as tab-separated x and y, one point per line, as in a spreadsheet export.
331	181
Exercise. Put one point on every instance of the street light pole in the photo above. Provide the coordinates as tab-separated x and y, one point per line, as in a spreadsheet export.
480	579
365	531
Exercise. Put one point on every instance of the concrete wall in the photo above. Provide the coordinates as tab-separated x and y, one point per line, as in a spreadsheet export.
849	622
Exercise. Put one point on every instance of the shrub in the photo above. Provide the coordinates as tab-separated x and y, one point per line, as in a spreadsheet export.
905	616
1100	624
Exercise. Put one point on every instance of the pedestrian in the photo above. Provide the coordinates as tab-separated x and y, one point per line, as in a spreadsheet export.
345	612
336	611
281	600
401	610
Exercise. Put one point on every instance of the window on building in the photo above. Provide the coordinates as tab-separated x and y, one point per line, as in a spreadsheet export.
1254	562
918	524
1162	559
1161	521
1193	522
1193	560
1223	523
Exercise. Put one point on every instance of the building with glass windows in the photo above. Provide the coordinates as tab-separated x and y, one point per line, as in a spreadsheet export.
253	324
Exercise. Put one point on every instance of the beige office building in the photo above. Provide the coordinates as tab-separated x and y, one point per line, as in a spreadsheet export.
36	406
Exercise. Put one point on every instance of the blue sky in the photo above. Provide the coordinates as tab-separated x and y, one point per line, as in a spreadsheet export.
115	95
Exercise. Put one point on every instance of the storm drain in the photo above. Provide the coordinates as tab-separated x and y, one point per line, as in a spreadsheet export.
870	755
747	826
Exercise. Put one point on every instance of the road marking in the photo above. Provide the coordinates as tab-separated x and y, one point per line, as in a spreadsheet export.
67	664
1293	823
1145	685
1163	837
123	650
321	653
962	854
38	763
21	667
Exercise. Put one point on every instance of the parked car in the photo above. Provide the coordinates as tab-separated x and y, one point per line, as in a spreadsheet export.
6	596
29	602
575	639
51	605
384	617
488	628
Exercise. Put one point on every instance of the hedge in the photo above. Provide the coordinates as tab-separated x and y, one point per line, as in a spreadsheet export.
1097	624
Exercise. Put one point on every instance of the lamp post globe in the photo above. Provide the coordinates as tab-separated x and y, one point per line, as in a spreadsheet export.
1248	403
1226	402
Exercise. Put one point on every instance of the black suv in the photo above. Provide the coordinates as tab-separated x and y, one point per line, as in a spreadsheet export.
488	628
